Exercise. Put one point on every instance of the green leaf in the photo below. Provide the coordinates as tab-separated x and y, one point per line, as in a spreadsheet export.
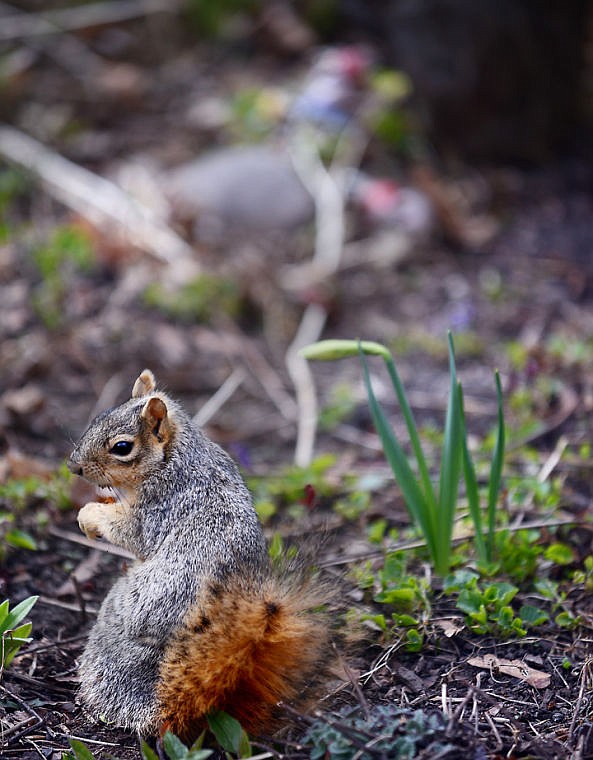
531	615
276	547
412	428
81	751
547	588
244	746
450	470
470	602
471	484
404	620
560	554
328	350
227	730
3	613
146	752
414	640
18	613
397	596
202	754
495	470
199	742
378	620
174	747
20	540
566	620
502	593
463	578
413	496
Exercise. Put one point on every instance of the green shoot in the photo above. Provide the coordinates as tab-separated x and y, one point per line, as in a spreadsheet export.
431	510
13	632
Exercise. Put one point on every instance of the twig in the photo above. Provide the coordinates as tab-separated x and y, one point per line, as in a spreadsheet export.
405	545
95	14
552	460
71	54
354	681
28	726
74	538
33	649
311	327
67	605
329	239
79	597
499	742
269	380
585	672
221	396
96	199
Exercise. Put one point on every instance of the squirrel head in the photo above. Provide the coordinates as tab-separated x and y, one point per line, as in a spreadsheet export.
123	445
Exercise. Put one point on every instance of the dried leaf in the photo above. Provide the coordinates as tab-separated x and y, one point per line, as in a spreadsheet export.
516	668
450	626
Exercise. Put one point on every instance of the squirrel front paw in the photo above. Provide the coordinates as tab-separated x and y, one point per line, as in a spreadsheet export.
92	518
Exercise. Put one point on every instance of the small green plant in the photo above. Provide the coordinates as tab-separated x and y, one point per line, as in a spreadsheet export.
340	405
20	494
295	487
13	631
12	184
400	733
517	554
585	576
431	509
488	608
551	591
175	749
226	730
406	596
208	17
198	300
68	251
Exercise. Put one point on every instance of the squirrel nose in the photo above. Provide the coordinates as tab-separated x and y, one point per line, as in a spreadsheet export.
74	467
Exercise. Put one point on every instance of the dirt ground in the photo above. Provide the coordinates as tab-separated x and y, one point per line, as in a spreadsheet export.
507	263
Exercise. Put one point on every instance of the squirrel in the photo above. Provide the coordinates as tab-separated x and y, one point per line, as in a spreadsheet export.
201	621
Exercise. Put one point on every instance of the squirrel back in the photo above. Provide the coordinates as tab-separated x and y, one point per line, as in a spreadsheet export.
201	621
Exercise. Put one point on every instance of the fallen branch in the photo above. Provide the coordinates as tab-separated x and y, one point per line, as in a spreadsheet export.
81	17
222	395
100	201
74	538
329	239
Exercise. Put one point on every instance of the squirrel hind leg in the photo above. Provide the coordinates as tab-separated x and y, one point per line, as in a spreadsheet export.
244	654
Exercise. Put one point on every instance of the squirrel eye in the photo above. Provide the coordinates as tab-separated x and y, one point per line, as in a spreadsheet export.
122	448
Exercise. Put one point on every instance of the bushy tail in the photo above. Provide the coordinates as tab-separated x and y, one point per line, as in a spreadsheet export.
243	651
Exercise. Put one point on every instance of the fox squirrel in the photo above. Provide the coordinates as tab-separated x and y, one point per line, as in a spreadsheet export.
201	621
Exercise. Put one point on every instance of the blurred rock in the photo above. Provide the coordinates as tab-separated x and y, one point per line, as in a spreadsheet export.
251	187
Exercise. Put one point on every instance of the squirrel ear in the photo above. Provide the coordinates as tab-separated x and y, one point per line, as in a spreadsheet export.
155	413
144	385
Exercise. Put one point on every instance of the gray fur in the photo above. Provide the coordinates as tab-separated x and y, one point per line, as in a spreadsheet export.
191	521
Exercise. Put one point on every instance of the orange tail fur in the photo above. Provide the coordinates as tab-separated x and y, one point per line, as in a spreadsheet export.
243	651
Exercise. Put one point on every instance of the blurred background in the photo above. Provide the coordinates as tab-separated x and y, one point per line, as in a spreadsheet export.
204	186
